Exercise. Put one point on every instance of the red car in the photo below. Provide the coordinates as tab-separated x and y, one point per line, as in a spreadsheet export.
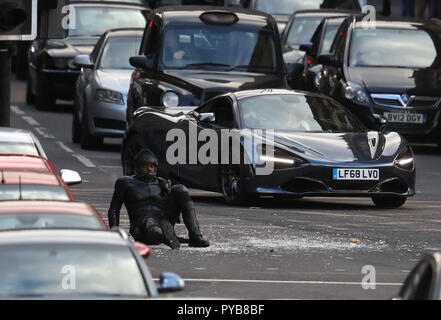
30	214
14	162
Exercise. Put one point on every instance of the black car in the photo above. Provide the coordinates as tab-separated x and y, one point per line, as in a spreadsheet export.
76	264
300	34
392	70
52	73
284	143
191	54
281	10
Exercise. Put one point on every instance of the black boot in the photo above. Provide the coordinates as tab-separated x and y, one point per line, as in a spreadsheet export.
192	224
169	234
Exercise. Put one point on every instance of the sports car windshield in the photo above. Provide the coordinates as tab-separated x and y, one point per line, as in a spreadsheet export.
218	47
94	21
117	52
48	221
38	270
381	47
296	113
18	148
32	192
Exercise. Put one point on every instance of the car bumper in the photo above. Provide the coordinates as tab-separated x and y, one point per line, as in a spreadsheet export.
107	119
429	131
61	83
317	180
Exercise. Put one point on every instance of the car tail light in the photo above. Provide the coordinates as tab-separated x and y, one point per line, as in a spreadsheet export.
143	250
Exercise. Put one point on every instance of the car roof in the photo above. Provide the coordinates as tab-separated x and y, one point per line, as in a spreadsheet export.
258	92
45	207
116	4
121	32
399	23
324	13
15	135
64	236
192	13
29	177
23	162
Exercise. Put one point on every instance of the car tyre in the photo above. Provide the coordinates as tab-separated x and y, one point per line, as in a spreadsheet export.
43	99
129	150
389	201
233	186
87	140
30	97
76	129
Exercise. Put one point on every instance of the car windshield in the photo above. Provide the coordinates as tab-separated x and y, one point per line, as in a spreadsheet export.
286	7
48	221
218	47
302	30
296	113
32	192
117	52
403	48
69	270
18	148
94	21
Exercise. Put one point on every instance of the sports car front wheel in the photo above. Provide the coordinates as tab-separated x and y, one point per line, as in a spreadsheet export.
389	201
232	185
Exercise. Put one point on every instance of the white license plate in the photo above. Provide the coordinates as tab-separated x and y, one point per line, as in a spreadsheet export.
405	117
356	174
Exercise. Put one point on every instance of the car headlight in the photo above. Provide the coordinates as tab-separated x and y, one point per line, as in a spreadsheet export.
353	91
404	159
280	158
170	99
109	96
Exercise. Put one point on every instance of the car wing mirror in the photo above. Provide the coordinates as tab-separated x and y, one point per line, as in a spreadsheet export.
307	47
142	249
295	68
327	60
70	177
142	62
380	121
83	61
207	117
170	282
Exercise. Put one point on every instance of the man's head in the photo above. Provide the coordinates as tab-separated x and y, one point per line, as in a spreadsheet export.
146	164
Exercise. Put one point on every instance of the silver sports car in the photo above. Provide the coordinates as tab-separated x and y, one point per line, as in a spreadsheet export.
101	89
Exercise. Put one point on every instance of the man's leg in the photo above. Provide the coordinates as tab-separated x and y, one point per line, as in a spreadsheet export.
154	232
179	201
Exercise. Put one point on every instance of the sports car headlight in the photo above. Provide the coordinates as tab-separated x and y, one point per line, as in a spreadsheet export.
404	159
353	91
109	96
280	158
170	99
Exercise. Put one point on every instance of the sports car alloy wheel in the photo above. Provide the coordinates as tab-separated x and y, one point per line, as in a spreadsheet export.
232	187
389	201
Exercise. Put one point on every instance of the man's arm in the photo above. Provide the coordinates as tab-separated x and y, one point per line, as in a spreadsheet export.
116	203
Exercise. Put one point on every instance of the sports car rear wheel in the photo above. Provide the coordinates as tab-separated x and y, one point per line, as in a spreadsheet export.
130	150
389	201
232	185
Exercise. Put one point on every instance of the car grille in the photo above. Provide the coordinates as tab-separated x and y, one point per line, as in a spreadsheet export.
396	100
109	124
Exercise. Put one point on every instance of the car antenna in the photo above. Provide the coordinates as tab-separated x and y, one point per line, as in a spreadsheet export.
19	187
3	177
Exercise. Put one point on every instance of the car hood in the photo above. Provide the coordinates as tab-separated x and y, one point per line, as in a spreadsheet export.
340	147
70	47
202	81
114	79
422	82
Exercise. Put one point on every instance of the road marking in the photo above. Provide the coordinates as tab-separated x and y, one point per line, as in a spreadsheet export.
84	160
290	282
44	134
31	121
17	110
64	147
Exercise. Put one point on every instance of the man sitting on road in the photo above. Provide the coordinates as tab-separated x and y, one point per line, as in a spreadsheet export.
154	205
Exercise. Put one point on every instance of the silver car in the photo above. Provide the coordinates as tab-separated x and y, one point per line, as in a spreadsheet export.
101	89
20	141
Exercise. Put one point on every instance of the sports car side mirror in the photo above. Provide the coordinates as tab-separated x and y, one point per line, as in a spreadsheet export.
70	177
380	121
207	117
142	62
170	282
83	61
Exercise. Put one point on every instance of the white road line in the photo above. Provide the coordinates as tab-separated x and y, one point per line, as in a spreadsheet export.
290	282
31	121
44	134
84	160
64	147
17	110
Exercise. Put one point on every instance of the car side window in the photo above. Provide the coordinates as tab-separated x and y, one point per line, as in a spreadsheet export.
223	112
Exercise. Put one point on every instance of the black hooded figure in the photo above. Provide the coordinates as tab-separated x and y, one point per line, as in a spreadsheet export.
154	205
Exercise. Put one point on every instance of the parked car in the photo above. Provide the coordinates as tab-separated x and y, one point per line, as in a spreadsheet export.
33	185
319	148
52	73
391	70
75	264
20	141
213	52
36	214
298	35
27	162
101	89
283	9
